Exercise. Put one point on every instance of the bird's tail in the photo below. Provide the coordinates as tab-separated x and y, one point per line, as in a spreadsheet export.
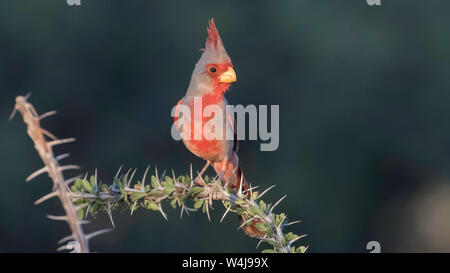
234	175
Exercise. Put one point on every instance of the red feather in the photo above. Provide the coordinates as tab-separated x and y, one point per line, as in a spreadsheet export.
213	35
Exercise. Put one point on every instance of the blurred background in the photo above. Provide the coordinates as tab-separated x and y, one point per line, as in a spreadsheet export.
363	91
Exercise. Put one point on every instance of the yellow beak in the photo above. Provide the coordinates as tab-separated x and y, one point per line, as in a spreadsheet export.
228	76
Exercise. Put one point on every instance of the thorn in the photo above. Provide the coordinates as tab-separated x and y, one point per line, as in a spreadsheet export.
225	214
70	180
190	172
69	167
264	192
163	175
96	233
298	238
47	133
57	218
144	177
118	172
87	211
174	178
27	96
292	223
95	179
260	241
227	183
132	209
162	212
125	177
278	202
181	212
48	114
46	197
131	178
110	214
61	248
186	209
60	157
13	113
60	141
207	211
65	239
244	223
250	189
240	186
81	206
157	177
36	173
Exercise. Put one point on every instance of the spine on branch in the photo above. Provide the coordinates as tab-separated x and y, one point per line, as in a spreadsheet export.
78	240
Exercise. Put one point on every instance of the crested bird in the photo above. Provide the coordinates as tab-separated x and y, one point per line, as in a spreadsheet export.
210	80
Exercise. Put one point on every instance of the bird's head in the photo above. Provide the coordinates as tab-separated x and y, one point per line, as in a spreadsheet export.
214	71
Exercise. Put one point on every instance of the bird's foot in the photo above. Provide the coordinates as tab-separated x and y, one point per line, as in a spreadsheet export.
199	178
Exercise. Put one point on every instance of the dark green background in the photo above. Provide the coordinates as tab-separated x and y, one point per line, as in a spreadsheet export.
364	115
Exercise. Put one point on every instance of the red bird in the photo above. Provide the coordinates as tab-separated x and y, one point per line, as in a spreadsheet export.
212	77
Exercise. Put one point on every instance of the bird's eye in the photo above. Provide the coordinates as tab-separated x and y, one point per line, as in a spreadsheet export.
213	69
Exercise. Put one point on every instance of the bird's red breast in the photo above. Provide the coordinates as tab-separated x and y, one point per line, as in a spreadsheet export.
208	149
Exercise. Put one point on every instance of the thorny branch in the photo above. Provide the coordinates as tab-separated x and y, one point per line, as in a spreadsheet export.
77	241
180	191
91	198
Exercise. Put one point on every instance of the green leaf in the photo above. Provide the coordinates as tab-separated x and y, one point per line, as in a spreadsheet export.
239	211
86	185
301	249
262	205
268	251
137	195
291	236
261	226
198	204
169	181
154	182
258	211
195	190
118	183
255	195
269	232
93	181
150	205
80	213
104	188
78	184
169	189
251	211
187	180
173	203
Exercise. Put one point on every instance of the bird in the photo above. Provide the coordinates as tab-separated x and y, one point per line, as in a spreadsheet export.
211	79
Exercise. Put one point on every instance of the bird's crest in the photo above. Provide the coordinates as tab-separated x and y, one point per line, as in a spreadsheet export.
213	36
